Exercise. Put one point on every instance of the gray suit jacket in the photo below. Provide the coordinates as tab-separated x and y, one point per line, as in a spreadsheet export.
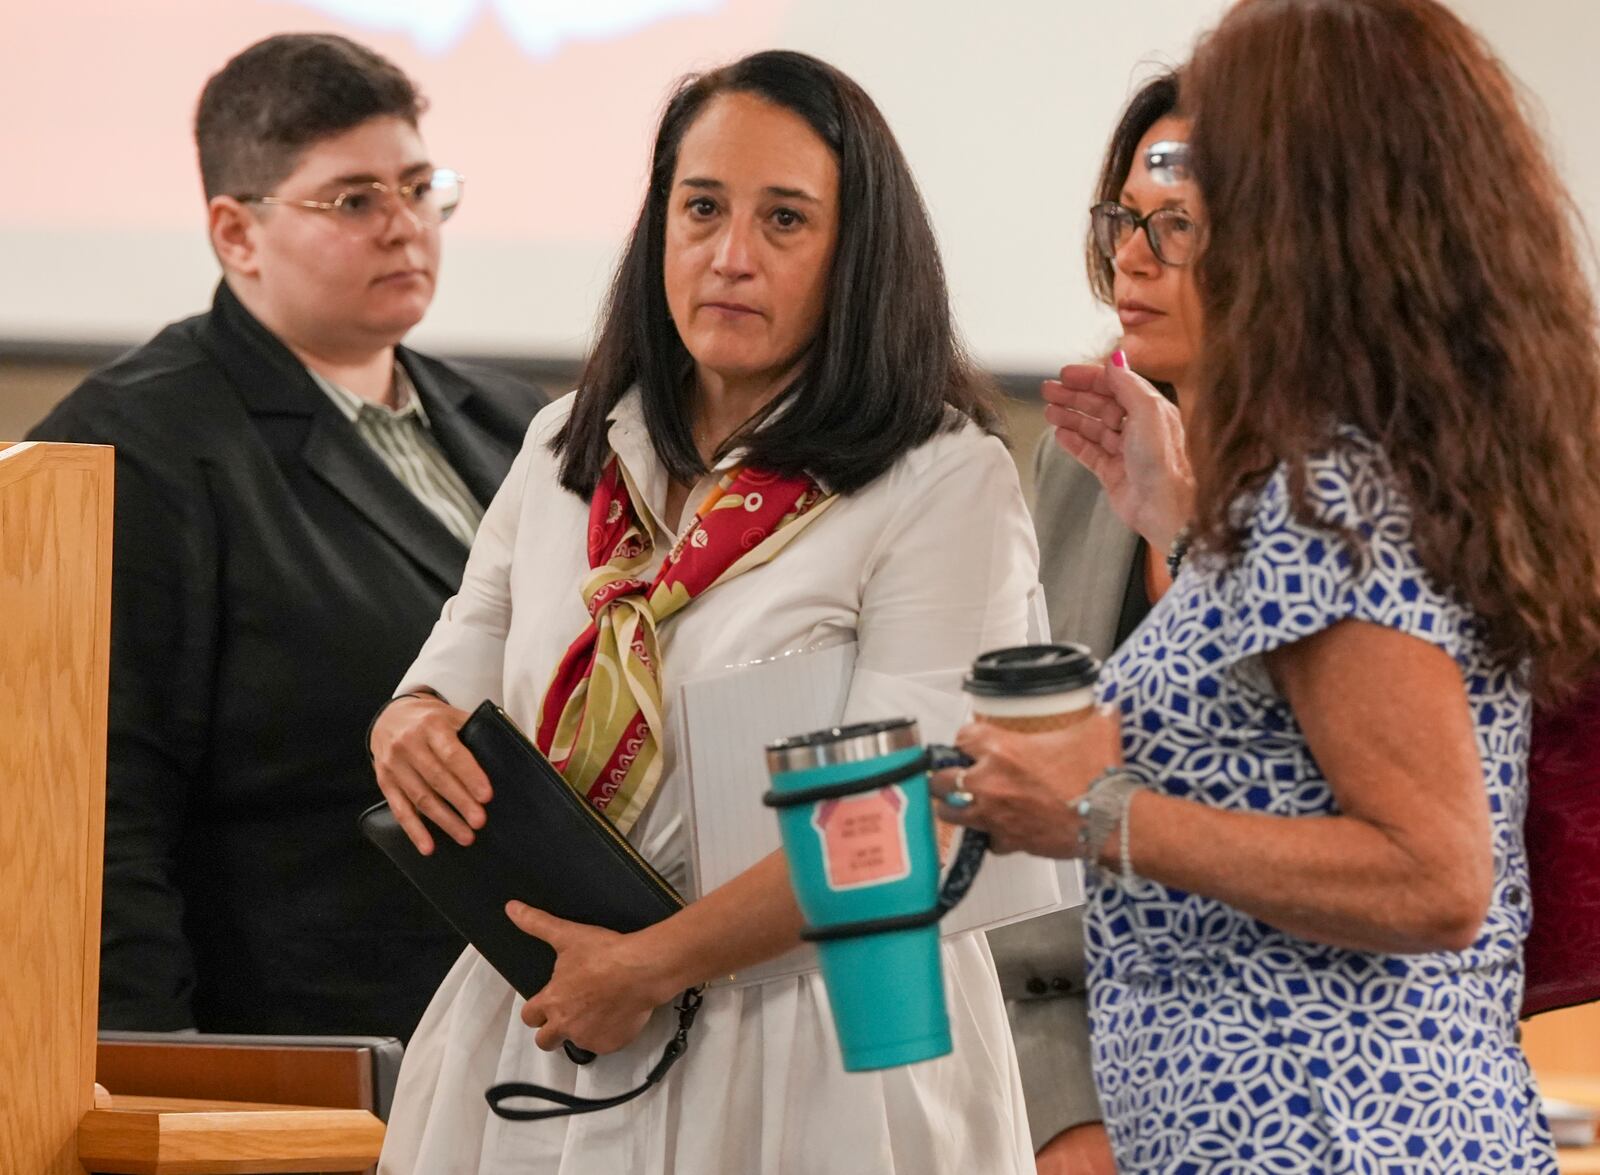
1085	555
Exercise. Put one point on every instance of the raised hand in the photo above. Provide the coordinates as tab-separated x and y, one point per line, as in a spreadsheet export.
1131	438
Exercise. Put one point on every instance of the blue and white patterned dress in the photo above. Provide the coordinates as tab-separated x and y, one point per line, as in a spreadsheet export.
1224	1045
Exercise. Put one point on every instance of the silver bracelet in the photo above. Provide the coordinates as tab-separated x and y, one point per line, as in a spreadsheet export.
1124	853
1101	810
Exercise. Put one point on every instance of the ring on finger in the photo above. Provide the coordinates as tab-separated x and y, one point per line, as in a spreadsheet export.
959	796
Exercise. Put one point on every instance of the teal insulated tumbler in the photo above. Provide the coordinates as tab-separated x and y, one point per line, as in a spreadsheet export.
858	831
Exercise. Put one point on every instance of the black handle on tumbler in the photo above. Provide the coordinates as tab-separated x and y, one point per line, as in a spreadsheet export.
974	843
958	879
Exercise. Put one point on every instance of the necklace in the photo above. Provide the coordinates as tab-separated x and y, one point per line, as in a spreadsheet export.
703	442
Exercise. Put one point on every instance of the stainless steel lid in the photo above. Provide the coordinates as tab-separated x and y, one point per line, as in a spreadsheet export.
859	742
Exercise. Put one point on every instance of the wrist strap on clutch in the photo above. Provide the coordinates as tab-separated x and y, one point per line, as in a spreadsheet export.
688	1006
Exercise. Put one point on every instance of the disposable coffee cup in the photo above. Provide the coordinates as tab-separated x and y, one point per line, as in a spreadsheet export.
1033	688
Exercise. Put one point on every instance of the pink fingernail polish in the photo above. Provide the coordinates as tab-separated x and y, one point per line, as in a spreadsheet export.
1119	358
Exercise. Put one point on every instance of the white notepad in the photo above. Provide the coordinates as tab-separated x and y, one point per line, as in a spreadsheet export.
725	722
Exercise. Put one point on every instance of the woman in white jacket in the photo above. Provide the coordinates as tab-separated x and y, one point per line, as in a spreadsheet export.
776	444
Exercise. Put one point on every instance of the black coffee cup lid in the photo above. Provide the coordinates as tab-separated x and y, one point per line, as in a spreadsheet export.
1029	670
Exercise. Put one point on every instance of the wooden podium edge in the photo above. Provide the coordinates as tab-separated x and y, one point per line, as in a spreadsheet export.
179	1136
95	465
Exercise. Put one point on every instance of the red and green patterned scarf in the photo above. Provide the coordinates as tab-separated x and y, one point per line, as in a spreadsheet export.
601	720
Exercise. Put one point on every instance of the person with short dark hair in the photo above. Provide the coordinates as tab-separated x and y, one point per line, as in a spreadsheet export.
296	493
777	444
259	112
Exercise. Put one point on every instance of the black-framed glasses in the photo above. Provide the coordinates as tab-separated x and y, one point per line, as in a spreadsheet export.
366	209
1173	234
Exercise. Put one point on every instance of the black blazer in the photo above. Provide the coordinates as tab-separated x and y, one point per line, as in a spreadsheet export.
272	581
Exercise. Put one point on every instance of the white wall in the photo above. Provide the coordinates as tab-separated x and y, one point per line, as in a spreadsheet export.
1003	109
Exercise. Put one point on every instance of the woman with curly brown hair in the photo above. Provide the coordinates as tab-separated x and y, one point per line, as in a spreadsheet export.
1306	794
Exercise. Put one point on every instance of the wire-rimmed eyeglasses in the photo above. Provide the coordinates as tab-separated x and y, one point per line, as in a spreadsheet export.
368	208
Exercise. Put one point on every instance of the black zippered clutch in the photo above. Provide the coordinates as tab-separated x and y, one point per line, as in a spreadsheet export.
544	845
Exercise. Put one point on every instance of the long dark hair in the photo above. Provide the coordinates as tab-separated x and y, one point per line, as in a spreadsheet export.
1389	247
885	365
1153	101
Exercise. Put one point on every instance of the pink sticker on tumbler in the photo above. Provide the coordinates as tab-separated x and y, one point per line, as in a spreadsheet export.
864	838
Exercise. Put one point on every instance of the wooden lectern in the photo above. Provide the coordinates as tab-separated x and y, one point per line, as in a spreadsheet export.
55	621
55	629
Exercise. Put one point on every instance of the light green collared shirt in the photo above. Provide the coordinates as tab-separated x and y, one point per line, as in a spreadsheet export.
403	441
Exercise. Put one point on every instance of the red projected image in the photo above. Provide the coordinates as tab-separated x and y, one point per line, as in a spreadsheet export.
545	108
